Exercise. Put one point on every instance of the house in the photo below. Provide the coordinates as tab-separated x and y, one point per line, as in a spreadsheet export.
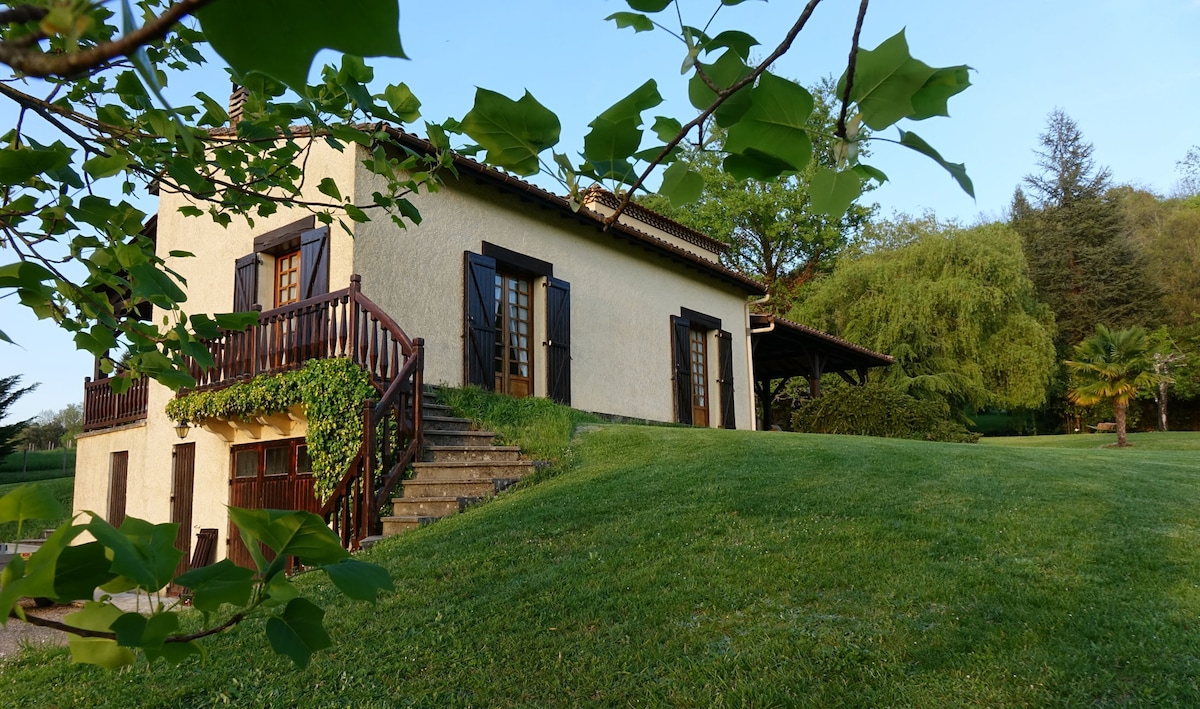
502	285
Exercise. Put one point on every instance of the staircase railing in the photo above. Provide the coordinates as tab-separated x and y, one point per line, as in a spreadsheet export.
344	323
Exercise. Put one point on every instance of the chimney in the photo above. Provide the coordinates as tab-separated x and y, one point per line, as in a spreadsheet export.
237	101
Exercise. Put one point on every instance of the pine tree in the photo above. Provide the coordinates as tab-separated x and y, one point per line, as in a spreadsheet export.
10	391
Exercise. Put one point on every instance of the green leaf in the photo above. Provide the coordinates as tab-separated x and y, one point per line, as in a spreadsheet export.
833	192
174	653
97	651
616	133
329	187
514	133
298	30
666	128
636	20
19	164
141	551
29	501
288	532
649	5
870	173
885	80
222	582
80	570
931	99
298	632
725	72
775	122
358	579
956	169
404	105
736	40
681	184
102	166
151	284
754	165
24	274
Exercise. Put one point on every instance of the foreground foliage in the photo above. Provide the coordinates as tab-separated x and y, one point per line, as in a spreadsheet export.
141	557
697	568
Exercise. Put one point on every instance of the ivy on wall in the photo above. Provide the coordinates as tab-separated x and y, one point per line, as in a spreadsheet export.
331	392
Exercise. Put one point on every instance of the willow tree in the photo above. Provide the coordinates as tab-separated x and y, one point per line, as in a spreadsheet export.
1113	366
956	309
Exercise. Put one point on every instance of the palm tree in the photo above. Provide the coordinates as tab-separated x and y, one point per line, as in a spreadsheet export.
1111	366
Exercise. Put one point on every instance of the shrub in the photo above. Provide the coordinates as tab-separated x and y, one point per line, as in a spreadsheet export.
879	410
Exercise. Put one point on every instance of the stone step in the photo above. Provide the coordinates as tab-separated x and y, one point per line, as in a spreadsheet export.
459	438
437	454
470	470
428	409
428	506
398	525
414	489
445	423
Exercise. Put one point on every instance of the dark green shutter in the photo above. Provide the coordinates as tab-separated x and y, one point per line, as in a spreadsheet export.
681	358
314	263
558	340
480	326
725	368
245	283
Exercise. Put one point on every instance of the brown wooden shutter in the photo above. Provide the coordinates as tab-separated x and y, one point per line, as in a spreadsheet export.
182	484
725	379
681	359
558	340
245	283
480	326
314	263
118	484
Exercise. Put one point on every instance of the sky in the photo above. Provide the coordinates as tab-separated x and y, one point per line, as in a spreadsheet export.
1127	72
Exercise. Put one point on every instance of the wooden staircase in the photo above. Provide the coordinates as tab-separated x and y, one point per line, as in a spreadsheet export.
459	467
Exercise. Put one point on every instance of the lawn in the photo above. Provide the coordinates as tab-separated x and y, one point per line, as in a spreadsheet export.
680	567
37	465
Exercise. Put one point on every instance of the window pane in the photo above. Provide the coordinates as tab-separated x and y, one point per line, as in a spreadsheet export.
245	464
303	462
276	461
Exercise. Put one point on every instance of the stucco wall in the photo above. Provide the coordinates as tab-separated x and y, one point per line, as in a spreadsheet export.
622	296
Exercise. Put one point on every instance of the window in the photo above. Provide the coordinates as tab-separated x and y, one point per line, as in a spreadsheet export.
287	278
514	334
295	261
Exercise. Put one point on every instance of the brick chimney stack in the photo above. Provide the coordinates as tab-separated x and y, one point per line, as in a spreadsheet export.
237	101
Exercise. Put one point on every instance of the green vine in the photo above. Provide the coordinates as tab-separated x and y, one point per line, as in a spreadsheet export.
331	392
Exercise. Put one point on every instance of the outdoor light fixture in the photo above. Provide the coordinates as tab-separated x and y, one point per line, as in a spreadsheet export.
181	429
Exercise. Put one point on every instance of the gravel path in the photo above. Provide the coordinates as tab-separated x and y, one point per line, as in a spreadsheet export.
16	635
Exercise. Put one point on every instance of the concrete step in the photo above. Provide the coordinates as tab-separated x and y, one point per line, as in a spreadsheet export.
471	470
437	454
414	489
445	423
398	525
428	506
435	410
459	438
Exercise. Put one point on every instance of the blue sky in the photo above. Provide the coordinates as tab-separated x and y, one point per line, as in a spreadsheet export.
1127	72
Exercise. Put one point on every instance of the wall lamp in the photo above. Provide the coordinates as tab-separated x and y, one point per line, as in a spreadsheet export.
181	429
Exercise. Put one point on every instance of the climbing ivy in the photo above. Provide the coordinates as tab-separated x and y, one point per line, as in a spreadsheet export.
331	392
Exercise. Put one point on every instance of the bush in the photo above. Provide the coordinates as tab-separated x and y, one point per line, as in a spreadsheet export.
879	410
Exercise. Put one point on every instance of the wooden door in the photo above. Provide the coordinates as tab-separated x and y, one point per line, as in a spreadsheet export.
514	335
118	485
698	364
275	475
182	489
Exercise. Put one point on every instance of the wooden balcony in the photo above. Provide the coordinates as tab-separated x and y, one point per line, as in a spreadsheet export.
104	408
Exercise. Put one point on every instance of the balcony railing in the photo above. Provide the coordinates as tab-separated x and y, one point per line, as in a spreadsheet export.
340	324
104	408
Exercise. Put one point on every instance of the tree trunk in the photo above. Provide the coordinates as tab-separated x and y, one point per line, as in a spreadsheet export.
1119	411
1162	404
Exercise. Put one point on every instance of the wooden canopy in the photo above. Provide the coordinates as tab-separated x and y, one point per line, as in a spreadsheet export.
784	349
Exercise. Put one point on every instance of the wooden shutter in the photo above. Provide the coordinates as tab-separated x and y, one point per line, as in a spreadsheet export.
681	359
182	484
480	323
314	263
245	283
118	484
558	340
725	379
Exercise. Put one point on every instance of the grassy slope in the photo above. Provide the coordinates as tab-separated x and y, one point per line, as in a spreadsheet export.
41	465
707	568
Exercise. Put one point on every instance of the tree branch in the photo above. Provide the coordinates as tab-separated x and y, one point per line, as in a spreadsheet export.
42	65
722	97
109	635
841	122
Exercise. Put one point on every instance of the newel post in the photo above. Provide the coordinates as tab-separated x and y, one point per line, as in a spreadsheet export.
418	388
355	314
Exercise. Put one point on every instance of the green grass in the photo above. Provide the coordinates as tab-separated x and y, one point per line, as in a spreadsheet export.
41	465
1140	442
697	568
64	491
